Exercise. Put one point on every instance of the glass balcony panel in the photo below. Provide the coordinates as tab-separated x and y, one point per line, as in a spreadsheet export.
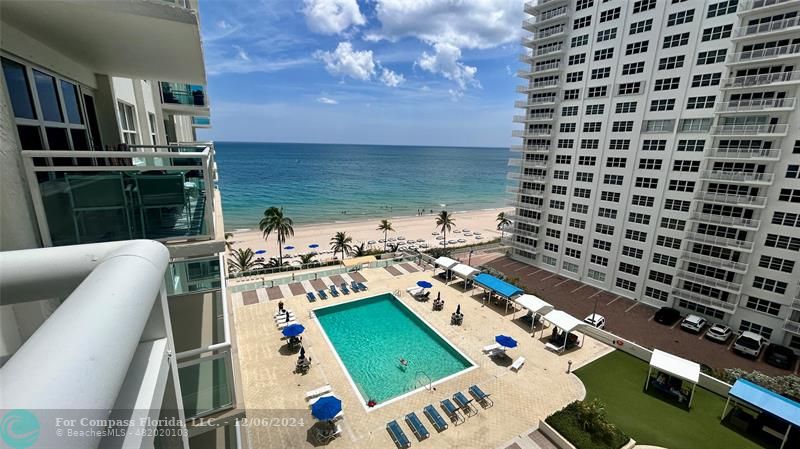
183	94
197	320
192	276
206	385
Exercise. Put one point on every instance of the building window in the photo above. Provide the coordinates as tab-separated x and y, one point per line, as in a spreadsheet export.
680	17
596	275
127	122
643	5
151	120
676	40
633	68
671	62
716	33
706	79
745	325
662	105
607	35
610	14
656	294
636	47
722	8
626	284
770	285
711	56
762	305
641	27
579	41
667	84
604	229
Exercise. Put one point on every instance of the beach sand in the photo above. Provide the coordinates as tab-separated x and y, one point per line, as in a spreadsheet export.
483	221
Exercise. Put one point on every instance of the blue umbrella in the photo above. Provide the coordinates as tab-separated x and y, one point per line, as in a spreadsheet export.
505	340
313	245
326	408
424	284
288	247
293	330
261	251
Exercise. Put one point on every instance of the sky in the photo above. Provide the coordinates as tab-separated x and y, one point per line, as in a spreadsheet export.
404	72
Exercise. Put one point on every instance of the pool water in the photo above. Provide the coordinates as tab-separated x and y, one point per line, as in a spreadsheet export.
372	335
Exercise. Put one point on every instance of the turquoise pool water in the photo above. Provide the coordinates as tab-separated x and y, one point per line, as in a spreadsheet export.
371	335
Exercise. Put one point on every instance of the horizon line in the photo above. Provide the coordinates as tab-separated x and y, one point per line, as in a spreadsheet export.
360	144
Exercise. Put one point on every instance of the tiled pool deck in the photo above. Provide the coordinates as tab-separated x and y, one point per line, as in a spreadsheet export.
272	390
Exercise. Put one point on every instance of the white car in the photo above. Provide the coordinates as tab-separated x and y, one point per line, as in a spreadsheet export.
719	333
693	323
749	344
596	320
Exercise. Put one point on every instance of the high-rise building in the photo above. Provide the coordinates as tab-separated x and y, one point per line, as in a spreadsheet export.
660	154
99	103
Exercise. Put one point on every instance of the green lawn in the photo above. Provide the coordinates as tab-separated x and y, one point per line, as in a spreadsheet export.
618	379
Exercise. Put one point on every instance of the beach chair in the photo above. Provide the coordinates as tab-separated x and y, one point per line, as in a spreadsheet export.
310	297
436	419
464	403
451	410
416	426
398	436
282	319
322	294
344	288
314	400
517	364
480	396
283	312
354	286
362	287
287	323
317	392
326	437
491	348
334	292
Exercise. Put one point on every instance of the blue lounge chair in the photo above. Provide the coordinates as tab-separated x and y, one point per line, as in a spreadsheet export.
480	396
436	419
362	287
334	292
310	297
416	426
354	286
463	403
322	294
344	288
398	436
451	410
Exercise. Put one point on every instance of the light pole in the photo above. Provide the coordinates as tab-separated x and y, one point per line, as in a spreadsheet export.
469	262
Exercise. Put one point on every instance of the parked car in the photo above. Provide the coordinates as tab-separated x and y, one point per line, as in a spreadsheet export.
719	333
693	323
596	320
749	344
780	356
667	315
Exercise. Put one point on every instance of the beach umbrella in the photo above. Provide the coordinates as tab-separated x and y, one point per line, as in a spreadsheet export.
424	284
302	352
288	248
326	408
439	296
313	245
458	309
261	251
506	341
293	330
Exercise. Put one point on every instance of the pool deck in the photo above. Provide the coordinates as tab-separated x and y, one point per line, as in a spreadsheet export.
272	390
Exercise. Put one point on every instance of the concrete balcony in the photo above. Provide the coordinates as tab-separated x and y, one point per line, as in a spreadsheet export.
768	29
515	162
528	192
743	154
734	222
730	265
547	51
510	241
519	218
544	18
533	118
736	200
762	105
543	36
764	6
520	232
201	122
766	79
727	307
533	7
791	326
184	98
780	129
530	148
734	244
738	177
531	133
771	54
542	101
539	85
519	176
796	303
731	287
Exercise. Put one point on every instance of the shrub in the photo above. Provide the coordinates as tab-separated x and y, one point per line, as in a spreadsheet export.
584	424
788	385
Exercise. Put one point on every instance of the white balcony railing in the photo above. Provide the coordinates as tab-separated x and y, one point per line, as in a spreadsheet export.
539	68
737	176
747	223
533	118
769	27
725	306
530	148
734	287
740	200
739	245
756	105
525	133
764	53
743	154
750	130
749	5
714	261
764	79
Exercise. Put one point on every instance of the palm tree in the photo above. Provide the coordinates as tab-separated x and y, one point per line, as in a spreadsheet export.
360	250
445	222
274	262
228	242
341	242
385	226
243	260
393	247
502	223
306	259
274	221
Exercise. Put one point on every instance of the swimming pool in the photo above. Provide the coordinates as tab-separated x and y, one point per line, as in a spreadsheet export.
371	335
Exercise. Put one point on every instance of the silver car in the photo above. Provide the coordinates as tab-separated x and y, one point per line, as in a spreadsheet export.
719	333
693	323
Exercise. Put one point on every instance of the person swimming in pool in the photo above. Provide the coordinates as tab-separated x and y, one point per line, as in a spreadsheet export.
403	361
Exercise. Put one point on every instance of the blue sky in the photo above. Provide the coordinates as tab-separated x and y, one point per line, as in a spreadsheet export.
416	72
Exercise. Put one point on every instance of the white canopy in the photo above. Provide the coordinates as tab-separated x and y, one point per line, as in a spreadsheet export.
563	320
464	271
445	262
675	366
534	304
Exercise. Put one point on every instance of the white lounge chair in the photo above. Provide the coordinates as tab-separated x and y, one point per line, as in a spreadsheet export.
283	312
491	348
517	364
318	392
286	323
414	291
282	318
314	400
496	352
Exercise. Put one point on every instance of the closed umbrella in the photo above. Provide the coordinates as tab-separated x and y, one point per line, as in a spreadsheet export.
326	408
439	296
505	340
302	352
458	309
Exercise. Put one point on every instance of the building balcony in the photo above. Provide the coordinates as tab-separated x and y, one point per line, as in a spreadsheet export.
734	244
738	177
528	192
530	148
771	54
743	154
201	122
770	29
544	18
796	302
184	98
730	265
731	287
531	133
533	118
763	80
519	176
734	222
542	101
540	85
520	232
533	7
163	193
510	241
761	105
542	36
737	200
547	51
516	162
727	307
780	129
520	219
791	326
764	6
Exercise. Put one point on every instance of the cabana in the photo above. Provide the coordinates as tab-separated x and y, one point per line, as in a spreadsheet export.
567	323
446	263
465	272
535	305
501	288
774	408
673	371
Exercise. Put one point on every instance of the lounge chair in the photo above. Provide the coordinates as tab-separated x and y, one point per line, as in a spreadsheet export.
322	294
414	291
354	286
416	426
310	297
334	292
282	317
451	410
480	396
518	363
491	348
314	400
318	392
287	323
497	352
325	437
463	402
398	436
283	312
344	288
436	419
362	287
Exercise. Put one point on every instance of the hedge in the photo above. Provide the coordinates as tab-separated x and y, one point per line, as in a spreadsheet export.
567	423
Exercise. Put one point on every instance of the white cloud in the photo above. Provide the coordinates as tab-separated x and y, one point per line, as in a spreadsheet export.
390	78
241	54
446	63
348	62
326	100
332	16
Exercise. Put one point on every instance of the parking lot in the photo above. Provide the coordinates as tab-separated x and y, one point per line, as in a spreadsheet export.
629	319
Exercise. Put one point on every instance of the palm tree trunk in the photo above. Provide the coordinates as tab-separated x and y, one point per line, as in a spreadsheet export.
280	252
385	234
444	232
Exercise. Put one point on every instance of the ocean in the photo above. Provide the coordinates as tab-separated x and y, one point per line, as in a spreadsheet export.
323	183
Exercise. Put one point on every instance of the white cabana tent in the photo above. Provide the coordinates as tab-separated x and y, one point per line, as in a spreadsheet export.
444	262
566	323
536	305
465	272
674	366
